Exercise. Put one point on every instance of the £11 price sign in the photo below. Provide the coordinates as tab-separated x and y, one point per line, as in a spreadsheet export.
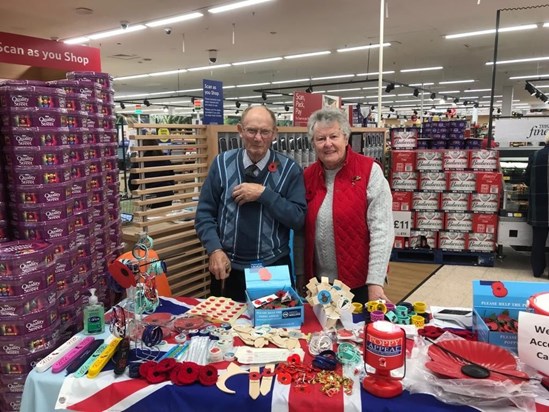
402	222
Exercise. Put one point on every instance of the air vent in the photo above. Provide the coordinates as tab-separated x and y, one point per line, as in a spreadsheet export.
123	56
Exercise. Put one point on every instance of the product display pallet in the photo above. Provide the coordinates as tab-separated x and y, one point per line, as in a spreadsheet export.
443	257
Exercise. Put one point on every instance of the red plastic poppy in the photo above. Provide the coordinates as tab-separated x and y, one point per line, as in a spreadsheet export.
144	368
499	361
294	359
188	373
166	365
208	375
284	378
273	167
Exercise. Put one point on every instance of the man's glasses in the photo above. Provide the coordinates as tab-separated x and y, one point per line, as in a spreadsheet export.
252	132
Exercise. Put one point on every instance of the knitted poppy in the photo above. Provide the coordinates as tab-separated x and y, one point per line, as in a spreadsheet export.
154	376
174	374
188	373
166	365
208	375
144	368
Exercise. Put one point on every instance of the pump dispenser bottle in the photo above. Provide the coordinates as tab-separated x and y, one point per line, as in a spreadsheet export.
94	319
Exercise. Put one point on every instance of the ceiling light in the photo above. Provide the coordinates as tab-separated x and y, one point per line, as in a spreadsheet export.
422	69
390	87
146	103
371	46
175	19
533	76
116	32
476	90
167	72
343	90
237	5
270	59
77	40
420	84
442	100
165	109
122	105
530	59
375	73
298	56
433	95
291	81
252	84
416	92
217	66
492	31
338	76
456	81
135	76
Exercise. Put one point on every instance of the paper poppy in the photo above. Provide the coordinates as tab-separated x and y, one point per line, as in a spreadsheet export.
188	373
208	375
284	378
166	365
273	167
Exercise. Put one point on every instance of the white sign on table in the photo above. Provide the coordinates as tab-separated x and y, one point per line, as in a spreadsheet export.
402	222
533	340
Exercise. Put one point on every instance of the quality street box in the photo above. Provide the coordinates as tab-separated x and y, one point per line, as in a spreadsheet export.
496	306
263	282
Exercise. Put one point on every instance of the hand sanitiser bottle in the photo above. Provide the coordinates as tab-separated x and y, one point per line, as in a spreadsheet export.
94	319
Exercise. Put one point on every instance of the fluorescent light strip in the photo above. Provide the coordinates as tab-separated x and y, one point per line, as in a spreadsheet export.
339	76
116	32
448	91
318	91
533	76
257	96
371	46
77	40
168	72
370	88
175	19
489	97
374	96
492	31
234	6
457	81
476	90
298	56
134	76
189	90
422	69
529	59
270	59
229	87
252	84
404	94
545	24
215	66
421	84
291	81
375	73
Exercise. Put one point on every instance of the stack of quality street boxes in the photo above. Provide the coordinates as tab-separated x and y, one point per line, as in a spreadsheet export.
454	195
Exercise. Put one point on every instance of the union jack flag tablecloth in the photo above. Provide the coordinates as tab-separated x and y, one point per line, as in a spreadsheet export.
108	392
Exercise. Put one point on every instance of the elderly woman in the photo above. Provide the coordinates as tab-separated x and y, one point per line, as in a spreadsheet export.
349	224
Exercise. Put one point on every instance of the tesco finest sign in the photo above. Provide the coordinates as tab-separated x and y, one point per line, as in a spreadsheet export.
32	51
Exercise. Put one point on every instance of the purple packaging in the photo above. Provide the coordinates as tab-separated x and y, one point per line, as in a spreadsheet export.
113	201
3	209
92	106
81	185
25	284
20	365
82	202
75	102
87	88
96	165
27	344
107	109
100	211
72	311
36	156
85	233
34	136
63	265
104	79
43	230
473	143
34	117
80	170
79	153
29	303
64	245
77	120
69	297
65	281
79	136
111	163
44	212
32	96
34	194
98	196
22	83
84	264
12	383
97	180
109	136
82	219
84	250
39	175
112	177
22	257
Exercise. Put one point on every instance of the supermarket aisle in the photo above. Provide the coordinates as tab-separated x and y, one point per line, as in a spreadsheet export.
452	285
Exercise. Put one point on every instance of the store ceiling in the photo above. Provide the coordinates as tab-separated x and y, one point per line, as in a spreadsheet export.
277	28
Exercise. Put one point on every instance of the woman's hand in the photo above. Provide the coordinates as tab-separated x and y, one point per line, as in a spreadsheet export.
376	292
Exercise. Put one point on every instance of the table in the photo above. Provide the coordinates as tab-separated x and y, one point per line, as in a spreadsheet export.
110	393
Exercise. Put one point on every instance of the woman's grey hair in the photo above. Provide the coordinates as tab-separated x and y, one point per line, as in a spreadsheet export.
328	116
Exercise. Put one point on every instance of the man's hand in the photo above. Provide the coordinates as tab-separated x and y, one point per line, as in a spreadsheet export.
247	192
376	292
219	264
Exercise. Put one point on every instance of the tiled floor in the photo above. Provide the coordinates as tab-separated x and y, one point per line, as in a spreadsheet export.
452	285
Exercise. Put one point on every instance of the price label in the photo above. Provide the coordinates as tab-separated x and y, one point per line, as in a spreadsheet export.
402	222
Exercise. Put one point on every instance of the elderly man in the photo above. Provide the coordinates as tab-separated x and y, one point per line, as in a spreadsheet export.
250	200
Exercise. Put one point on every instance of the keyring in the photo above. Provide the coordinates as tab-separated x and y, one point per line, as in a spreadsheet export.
325	360
152	335
140	247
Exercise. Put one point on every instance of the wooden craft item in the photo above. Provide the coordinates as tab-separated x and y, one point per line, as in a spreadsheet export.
254	382
267	379
219	309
